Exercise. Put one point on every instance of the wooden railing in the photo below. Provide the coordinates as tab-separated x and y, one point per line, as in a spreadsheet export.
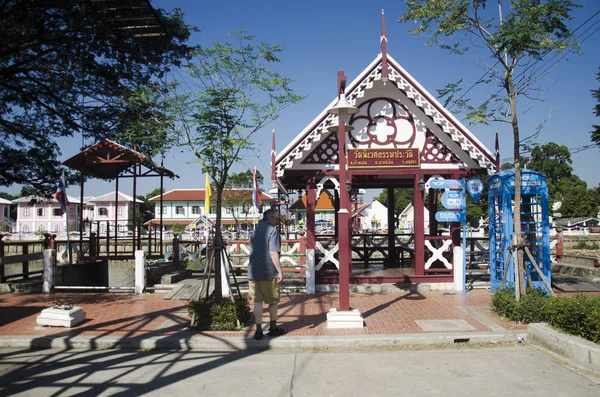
293	257
21	253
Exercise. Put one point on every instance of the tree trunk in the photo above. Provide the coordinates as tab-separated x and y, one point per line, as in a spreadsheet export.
517	203
218	245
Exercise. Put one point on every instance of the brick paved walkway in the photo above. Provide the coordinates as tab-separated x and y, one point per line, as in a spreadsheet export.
120	315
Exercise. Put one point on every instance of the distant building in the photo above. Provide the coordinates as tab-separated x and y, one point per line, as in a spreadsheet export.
103	212
372	216
5	215
39	214
324	208
186	207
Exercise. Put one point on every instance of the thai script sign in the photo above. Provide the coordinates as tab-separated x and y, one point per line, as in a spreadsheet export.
383	158
450	216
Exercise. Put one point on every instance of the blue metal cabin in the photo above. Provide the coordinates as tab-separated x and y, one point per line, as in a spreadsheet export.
535	226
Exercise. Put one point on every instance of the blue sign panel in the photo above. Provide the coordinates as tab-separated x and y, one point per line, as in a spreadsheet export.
445	184
452	200
450	216
475	188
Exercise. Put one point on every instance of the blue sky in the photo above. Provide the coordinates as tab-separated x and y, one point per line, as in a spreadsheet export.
322	37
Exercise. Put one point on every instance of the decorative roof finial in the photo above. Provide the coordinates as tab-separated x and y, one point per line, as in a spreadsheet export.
383	42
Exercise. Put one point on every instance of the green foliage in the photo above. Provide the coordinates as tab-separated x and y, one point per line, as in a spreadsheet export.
505	304
475	211
239	192
402	198
583	245
528	31
8	196
177	228
222	316
596	131
238	95
554	161
69	67
579	316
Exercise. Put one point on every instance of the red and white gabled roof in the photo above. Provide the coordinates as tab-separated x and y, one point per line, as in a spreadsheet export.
199	195
403	88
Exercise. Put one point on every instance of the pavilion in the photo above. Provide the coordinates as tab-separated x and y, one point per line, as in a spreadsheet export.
400	137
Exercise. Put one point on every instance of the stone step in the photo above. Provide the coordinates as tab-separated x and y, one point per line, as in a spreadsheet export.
22	286
176	276
576	270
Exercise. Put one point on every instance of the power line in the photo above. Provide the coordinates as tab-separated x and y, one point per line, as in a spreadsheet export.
532	64
574	150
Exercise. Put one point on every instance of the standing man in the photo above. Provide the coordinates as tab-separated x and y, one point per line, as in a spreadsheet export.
264	272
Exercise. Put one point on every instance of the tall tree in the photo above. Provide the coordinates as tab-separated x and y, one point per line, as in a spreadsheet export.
238	95
71	67
238	197
554	161
516	42
402	198
596	132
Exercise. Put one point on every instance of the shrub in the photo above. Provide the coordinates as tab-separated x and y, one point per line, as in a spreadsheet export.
579	316
223	316
532	307
505	304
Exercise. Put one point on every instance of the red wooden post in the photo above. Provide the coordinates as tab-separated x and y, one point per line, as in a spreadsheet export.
419	228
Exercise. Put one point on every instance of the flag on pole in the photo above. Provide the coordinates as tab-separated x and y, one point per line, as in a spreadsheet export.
207	196
256	201
61	194
497	153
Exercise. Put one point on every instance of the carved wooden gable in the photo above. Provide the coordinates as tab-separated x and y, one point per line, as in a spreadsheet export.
393	113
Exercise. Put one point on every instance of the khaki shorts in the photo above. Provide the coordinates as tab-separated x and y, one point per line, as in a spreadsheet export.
264	291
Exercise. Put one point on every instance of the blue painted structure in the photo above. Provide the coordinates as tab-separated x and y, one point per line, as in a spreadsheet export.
535	226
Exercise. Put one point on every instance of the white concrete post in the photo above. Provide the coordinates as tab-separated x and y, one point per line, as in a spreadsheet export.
310	271
49	270
225	284
140	271
459	274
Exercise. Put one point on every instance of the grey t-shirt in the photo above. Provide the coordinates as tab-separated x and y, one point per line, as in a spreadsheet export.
266	239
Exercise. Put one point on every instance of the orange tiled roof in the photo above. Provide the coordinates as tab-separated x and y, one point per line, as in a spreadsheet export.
324	203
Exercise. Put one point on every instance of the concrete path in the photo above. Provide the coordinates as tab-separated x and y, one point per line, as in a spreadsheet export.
468	371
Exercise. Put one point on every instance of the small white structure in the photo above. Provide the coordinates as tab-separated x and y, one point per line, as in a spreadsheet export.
406	221
59	317
374	216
